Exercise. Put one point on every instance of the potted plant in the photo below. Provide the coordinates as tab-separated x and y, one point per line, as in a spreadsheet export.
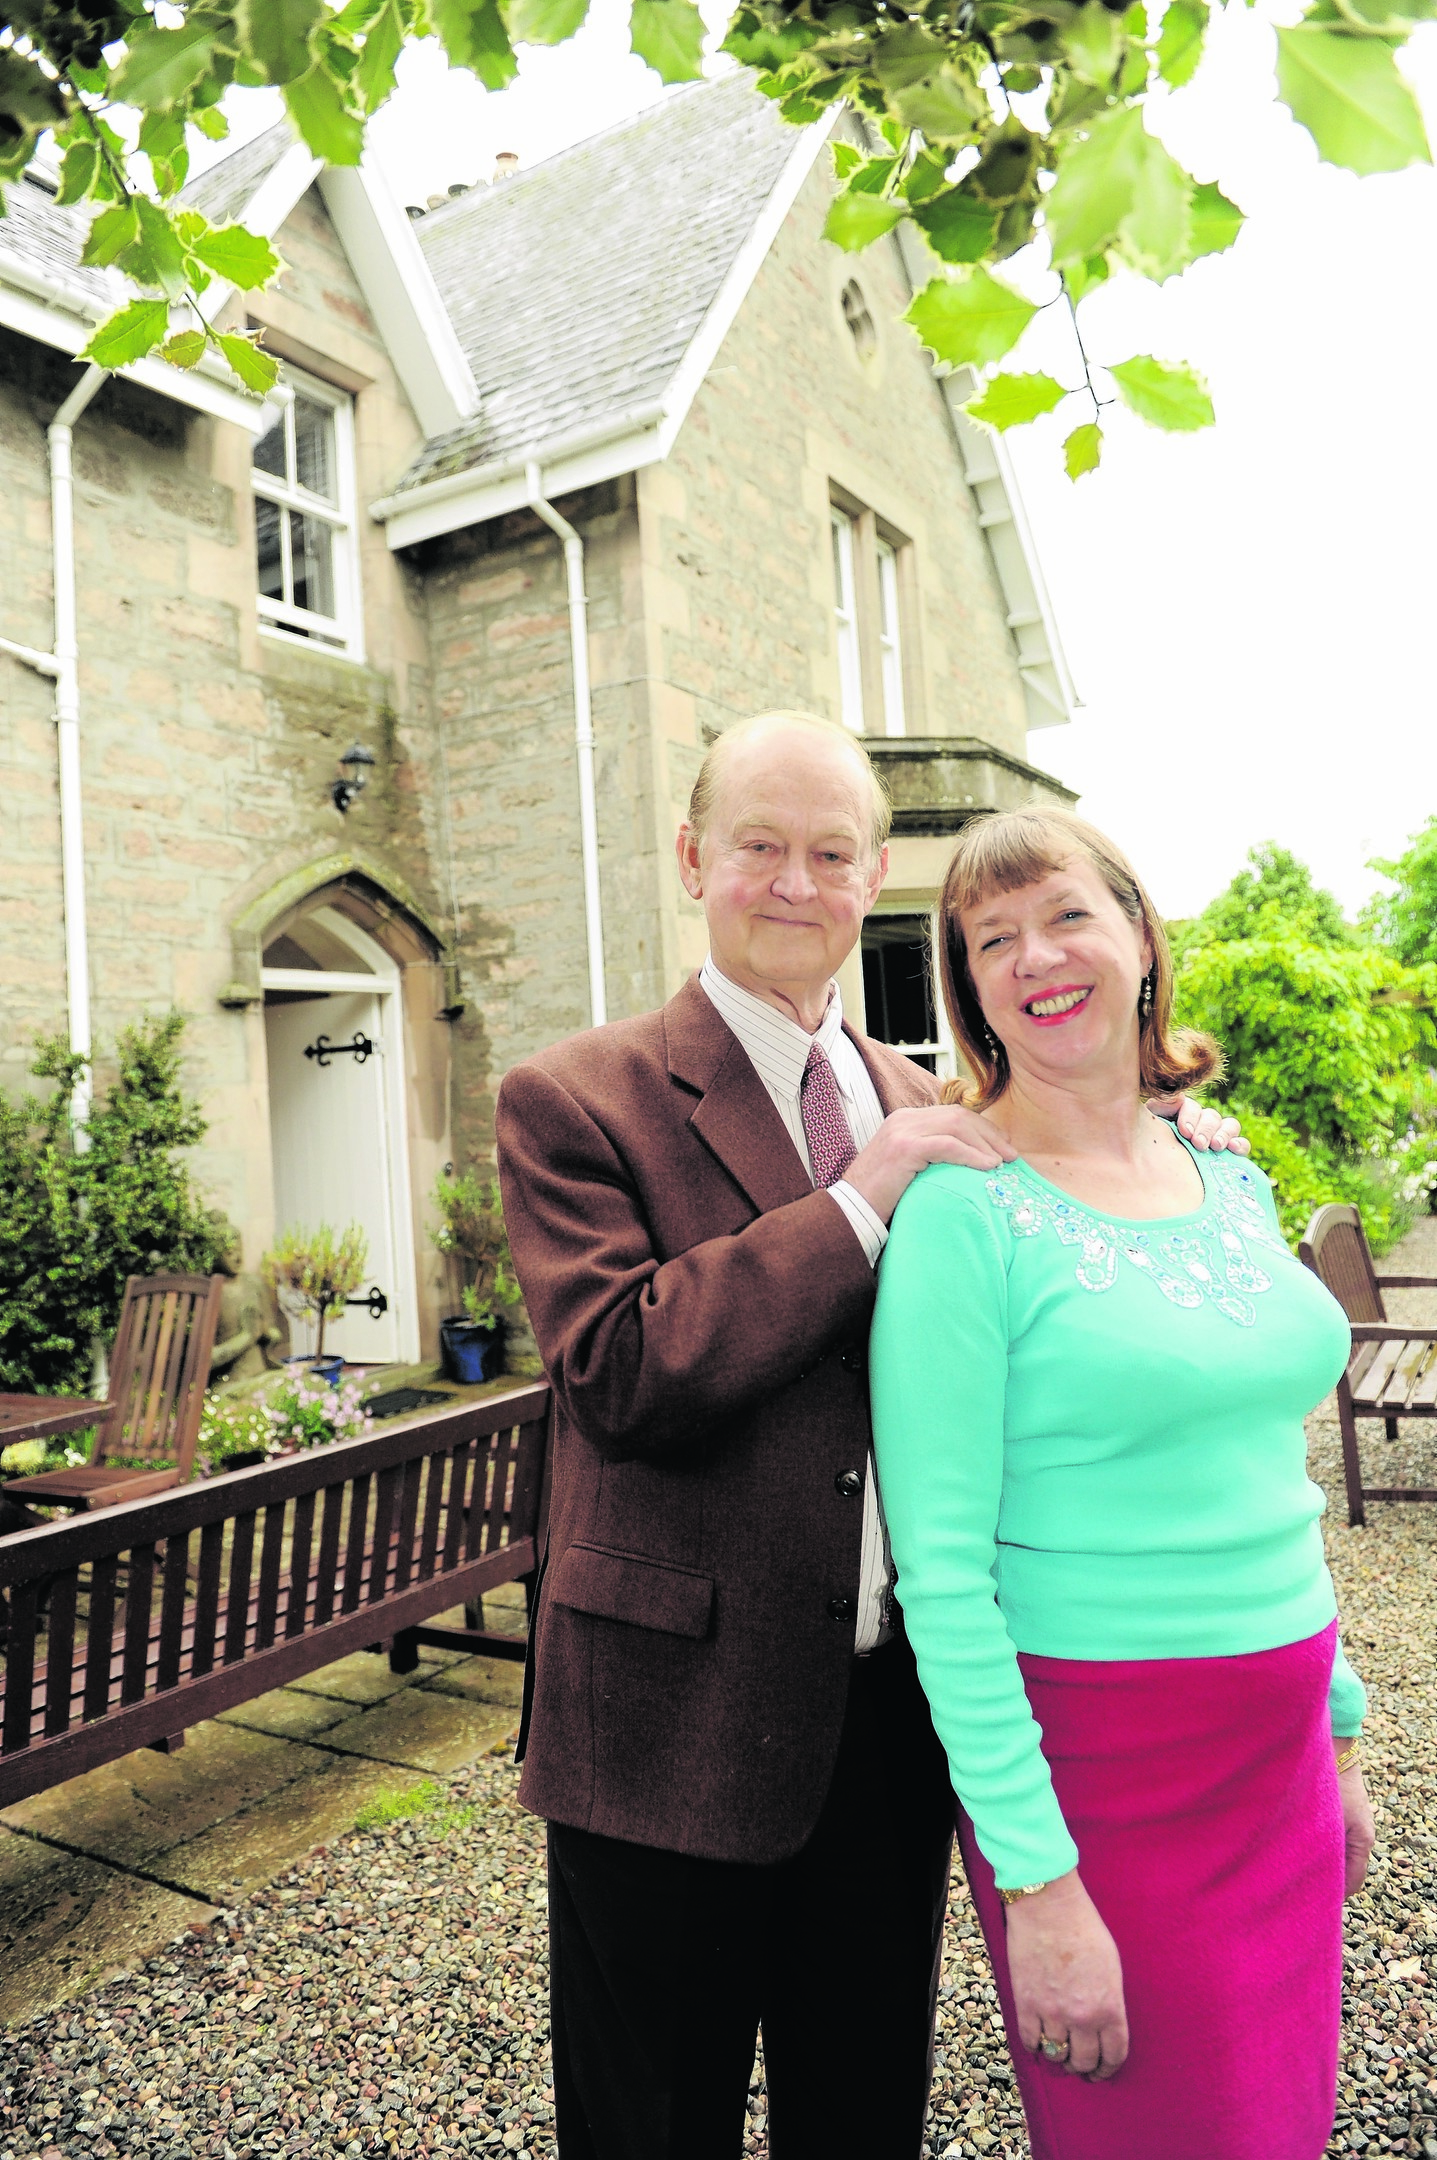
471	1228
312	1272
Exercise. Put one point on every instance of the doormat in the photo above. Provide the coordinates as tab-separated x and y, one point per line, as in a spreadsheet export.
402	1399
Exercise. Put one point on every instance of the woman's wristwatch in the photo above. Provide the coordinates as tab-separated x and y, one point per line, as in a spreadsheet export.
1011	1897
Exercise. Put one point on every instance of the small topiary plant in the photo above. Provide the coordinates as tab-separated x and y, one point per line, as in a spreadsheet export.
312	1272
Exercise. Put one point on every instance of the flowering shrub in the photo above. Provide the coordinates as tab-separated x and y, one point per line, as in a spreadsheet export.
231	1427
309	1412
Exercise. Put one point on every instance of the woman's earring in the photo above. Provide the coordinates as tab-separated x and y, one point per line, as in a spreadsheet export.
991	1039
1145	996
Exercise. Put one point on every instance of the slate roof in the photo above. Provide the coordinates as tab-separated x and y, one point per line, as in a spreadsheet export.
222	192
39	233
576	287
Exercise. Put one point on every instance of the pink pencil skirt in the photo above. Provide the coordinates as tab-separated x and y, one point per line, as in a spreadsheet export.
1202	1798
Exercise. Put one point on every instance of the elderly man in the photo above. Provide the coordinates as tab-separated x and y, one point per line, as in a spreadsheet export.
749	1815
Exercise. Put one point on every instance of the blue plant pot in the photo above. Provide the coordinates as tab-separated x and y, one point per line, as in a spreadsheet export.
472	1353
327	1369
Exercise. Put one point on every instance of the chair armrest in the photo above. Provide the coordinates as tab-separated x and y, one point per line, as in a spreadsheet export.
1408	1282
1388	1331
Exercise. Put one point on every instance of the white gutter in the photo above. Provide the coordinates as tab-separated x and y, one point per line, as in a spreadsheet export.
634	419
583	735
62	666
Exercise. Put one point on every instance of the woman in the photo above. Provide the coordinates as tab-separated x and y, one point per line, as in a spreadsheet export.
1090	1371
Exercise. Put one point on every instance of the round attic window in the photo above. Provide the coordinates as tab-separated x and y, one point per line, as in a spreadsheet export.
859	320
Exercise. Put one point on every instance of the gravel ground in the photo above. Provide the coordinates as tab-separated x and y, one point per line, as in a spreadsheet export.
388	1995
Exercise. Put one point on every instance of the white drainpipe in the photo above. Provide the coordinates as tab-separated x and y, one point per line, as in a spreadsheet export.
63	667
583	735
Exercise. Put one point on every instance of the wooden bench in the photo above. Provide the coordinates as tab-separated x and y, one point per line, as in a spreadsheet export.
1392	1372
127	1626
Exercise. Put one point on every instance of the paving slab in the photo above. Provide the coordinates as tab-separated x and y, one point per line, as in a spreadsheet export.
482	1679
426	1730
363	1677
291	1714
136	1810
238	1856
68	1922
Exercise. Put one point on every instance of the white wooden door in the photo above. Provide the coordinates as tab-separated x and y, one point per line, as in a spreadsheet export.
329	1131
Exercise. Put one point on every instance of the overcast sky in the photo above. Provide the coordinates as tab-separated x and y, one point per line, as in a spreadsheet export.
1248	613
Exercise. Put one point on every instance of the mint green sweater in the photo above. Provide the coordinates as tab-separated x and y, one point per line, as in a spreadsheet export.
1090	1445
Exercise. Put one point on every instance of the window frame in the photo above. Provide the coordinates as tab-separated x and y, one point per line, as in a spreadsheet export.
340	634
889	630
843	545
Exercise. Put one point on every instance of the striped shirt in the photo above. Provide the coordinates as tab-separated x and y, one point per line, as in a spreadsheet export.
778	1048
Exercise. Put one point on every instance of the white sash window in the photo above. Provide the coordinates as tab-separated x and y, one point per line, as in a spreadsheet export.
307	559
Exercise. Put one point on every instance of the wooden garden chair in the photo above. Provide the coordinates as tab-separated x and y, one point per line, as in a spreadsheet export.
1392	1372
158	1370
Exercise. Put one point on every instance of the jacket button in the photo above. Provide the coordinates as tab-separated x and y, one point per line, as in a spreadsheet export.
854	1360
842	1608
848	1484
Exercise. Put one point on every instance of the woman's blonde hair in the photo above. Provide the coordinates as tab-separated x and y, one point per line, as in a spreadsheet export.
1000	853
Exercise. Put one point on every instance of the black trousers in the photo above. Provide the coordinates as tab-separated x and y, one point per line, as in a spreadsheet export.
665	1967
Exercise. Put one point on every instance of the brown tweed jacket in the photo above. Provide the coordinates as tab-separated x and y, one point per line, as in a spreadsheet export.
703	1317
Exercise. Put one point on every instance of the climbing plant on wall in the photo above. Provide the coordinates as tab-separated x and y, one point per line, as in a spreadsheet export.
993	125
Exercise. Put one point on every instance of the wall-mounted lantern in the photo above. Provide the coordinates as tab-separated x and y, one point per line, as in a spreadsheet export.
353	765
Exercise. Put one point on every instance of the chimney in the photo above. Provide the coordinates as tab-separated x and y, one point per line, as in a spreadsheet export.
506	164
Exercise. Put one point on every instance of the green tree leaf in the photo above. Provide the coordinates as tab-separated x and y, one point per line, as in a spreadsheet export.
854	221
1082	450
241	258
941	106
212	122
276	35
970	321
474	36
1180	41
383	43
185	349
1156	235
906	53
550	22
318	109
1175	398
1080	277
1093	42
161	66
1216	222
77	173
129	334
957	228
1013	400
669	35
1096	186
257	370
155	257
1347	93
111	233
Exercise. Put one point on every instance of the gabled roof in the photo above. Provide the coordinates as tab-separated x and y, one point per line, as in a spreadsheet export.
222	192
577	287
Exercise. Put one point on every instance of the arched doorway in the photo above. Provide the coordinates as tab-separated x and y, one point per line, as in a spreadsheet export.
339	1119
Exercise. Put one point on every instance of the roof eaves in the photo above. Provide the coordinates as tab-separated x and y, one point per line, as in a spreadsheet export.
623	442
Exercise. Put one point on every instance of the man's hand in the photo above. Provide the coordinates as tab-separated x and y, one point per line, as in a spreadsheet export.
1206	1129
908	1140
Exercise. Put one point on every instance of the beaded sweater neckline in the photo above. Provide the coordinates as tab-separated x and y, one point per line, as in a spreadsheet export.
1214	1257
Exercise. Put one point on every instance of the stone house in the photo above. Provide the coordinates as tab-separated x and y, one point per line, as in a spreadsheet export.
618	448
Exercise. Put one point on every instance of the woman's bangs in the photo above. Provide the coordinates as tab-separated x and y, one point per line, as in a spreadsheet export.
1002	854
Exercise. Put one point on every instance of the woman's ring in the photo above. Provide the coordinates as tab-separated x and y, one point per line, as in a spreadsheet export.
1055	2050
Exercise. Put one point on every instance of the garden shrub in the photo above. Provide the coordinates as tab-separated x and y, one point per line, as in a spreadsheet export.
74	1225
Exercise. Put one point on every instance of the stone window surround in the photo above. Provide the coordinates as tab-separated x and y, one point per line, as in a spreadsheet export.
341	636
883	611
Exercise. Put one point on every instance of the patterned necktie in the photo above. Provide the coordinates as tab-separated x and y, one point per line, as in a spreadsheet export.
825	1122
